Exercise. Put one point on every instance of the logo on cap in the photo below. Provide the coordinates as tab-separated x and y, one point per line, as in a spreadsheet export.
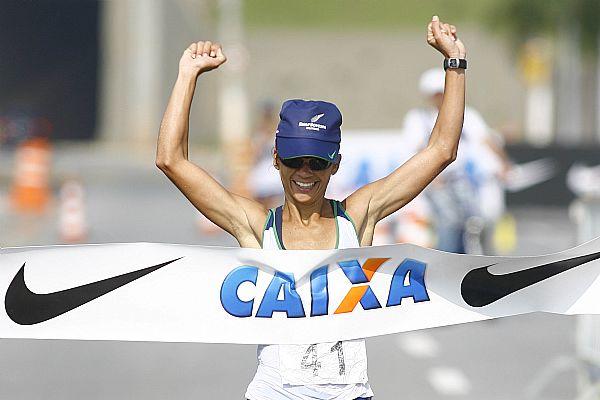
312	125
316	117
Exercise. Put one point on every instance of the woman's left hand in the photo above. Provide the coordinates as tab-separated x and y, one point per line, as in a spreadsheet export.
443	38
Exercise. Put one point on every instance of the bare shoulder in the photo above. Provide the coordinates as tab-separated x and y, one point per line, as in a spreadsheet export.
250	235
357	207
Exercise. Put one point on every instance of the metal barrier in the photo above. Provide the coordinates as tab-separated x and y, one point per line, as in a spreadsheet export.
586	214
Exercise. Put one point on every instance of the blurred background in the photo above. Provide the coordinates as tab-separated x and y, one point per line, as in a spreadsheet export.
83	85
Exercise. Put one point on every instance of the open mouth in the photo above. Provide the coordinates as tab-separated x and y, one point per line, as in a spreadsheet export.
304	186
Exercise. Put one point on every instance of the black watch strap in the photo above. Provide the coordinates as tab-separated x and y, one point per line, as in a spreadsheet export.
455	63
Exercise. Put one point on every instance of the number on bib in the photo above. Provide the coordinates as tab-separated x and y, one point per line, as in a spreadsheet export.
315	365
340	353
310	360
340	363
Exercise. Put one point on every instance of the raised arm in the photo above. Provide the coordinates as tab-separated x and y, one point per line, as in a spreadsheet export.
379	199
241	217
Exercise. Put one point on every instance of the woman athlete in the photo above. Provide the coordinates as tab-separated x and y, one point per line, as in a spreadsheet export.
307	155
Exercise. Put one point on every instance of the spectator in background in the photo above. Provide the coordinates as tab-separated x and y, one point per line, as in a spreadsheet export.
264	131
265	185
467	198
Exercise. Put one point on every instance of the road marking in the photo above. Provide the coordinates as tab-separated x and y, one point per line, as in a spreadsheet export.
449	381
418	344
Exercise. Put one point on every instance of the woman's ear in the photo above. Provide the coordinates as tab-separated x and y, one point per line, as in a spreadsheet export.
275	162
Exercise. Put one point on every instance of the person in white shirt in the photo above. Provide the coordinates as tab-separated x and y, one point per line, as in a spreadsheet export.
469	191
307	155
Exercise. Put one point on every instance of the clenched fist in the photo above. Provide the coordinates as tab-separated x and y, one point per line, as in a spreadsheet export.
444	39
201	57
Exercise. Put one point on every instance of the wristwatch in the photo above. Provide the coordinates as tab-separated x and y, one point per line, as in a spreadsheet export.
455	63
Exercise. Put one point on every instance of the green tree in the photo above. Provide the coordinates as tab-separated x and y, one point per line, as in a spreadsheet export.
523	19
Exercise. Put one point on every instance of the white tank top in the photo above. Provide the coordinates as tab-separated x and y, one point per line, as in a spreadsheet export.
327	371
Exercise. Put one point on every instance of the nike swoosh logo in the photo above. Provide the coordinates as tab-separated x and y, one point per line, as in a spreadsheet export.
480	287
332	155
28	308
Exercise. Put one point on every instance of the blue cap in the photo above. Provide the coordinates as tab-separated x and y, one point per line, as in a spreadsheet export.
308	128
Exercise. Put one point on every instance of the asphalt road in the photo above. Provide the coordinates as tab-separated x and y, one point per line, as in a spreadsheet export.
127	199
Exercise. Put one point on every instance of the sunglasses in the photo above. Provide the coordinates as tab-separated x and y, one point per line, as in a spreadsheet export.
315	164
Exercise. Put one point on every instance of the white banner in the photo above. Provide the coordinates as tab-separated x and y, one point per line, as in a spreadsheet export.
179	293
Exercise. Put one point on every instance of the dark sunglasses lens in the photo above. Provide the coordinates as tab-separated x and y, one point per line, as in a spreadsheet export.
318	164
292	162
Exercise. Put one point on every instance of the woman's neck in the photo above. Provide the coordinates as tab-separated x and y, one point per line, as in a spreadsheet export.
302	212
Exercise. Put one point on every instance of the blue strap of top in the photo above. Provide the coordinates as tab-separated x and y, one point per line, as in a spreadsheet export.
278	226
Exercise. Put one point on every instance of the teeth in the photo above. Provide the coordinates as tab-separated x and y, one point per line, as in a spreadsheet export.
304	185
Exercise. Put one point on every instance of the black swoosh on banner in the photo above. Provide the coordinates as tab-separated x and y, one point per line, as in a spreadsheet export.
480	287
27	308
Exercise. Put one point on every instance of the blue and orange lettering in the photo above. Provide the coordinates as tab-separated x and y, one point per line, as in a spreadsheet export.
360	274
229	297
291	303
319	292
416	287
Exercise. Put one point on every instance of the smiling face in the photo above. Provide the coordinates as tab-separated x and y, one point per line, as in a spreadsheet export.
304	184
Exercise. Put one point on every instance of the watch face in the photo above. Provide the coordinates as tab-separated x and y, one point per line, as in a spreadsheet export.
453	63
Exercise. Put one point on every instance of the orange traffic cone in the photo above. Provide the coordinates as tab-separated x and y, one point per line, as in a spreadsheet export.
73	227
30	191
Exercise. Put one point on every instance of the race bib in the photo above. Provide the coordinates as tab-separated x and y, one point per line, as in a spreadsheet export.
342	362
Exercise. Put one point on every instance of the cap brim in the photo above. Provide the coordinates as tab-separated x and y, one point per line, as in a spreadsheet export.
303	147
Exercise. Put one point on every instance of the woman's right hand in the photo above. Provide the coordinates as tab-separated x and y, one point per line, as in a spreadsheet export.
443	37
201	57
